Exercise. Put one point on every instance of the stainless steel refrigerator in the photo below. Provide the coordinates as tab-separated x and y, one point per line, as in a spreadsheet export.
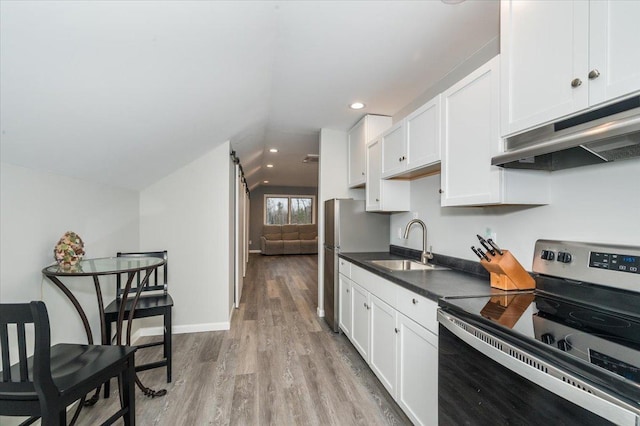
348	228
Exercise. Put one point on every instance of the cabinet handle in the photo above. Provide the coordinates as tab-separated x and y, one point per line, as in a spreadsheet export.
414	301
440	191
404	158
347	290
362	173
576	82
397	331
400	159
593	74
377	199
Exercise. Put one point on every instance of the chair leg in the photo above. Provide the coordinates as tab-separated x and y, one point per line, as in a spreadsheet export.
107	384
128	394
167	342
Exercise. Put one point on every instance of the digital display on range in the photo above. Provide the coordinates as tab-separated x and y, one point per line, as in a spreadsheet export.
615	262
621	368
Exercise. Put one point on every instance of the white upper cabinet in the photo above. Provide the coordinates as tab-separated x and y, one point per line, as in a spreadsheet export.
423	135
394	154
412	146
470	137
383	195
366	129
614	49
561	57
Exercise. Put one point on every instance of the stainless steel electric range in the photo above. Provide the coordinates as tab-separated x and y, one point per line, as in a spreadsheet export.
566	353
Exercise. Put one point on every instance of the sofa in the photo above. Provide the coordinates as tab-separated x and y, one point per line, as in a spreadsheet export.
289	239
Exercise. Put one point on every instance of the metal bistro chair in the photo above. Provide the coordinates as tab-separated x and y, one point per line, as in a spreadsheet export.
154	301
42	386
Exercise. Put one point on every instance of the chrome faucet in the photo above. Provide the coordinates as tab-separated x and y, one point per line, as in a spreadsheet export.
426	255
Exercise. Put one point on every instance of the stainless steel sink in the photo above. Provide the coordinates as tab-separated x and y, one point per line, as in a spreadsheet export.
406	265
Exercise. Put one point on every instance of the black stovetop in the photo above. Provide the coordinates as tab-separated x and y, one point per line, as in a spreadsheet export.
589	324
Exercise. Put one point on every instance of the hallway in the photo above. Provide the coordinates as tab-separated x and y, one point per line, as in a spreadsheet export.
279	364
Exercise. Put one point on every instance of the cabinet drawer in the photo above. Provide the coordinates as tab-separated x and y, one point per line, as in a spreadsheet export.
418	308
378	286
344	267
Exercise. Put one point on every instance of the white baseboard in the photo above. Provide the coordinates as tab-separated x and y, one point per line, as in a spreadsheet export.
182	329
255	251
320	312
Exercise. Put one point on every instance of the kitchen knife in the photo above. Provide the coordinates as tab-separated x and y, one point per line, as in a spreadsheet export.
479	252
486	246
484	255
476	252
495	246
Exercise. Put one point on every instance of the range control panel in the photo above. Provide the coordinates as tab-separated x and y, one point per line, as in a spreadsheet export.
615	262
603	264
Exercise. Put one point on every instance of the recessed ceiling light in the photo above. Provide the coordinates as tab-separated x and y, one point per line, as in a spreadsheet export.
273	150
265	181
269	165
357	105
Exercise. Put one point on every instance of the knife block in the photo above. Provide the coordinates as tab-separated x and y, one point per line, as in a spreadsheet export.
507	273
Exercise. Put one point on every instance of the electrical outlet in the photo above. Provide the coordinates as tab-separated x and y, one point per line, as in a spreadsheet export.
399	232
490	233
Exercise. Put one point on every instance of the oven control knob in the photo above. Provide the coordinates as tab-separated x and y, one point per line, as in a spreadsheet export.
564	257
547	255
563	345
548	338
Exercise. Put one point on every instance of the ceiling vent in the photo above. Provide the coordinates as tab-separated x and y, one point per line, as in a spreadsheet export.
311	158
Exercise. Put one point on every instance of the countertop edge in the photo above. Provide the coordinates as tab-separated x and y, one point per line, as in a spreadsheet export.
479	286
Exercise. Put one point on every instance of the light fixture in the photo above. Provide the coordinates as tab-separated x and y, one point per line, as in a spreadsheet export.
357	105
265	181
451	1
270	166
273	150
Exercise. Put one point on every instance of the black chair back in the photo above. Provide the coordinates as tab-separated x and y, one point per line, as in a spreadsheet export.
14	319
155	283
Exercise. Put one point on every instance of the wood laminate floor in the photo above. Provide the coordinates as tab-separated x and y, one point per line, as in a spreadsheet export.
278	365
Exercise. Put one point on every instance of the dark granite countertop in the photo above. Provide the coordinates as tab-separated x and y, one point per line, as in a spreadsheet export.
464	279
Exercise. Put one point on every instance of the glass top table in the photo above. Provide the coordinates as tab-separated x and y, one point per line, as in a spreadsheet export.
131	266
104	266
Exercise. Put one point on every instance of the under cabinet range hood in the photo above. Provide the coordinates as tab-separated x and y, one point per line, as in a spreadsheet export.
604	135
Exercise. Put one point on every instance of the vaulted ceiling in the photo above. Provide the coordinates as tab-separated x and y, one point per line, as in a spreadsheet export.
126	92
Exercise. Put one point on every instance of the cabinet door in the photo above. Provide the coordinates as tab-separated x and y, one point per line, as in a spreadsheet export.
417	392
345	304
383	343
394	155
544	47
357	141
423	135
470	137
360	326
614	49
372	191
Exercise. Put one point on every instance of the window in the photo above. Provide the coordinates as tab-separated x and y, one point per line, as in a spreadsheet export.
288	209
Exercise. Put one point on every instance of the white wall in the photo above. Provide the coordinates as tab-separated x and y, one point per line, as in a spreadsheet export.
189	213
332	178
599	203
36	209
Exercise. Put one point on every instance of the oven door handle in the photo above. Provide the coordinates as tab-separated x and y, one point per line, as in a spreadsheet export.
541	372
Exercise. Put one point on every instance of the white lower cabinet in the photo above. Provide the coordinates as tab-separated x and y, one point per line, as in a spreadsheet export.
395	332
383	343
360	325
417	389
345	303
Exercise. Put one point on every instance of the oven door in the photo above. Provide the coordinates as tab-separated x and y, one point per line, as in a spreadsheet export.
483	380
